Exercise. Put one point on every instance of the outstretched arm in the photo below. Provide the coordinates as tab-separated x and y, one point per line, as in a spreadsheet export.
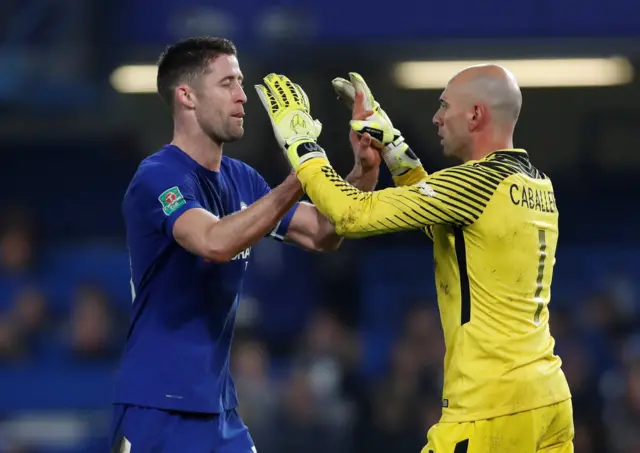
220	239
309	228
455	196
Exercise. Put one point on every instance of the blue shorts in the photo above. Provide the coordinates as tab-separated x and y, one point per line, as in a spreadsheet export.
146	430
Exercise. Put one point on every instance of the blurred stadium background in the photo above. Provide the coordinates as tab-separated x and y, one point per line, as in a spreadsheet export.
333	353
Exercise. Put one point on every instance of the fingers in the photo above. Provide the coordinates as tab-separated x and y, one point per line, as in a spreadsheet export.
273	83
360	85
279	91
362	116
305	99
345	91
292	91
358	106
365	140
359	110
268	99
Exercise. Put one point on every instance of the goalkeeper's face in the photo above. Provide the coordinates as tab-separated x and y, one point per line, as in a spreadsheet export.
220	100
451	120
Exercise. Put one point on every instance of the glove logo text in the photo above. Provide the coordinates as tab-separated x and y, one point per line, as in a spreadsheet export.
310	147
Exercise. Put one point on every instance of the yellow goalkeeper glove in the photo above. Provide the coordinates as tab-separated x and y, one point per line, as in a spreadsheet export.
395	152
295	129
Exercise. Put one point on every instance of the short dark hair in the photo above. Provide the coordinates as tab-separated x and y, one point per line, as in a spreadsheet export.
186	60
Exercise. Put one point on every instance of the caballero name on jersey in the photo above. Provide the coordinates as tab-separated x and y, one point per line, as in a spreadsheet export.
536	199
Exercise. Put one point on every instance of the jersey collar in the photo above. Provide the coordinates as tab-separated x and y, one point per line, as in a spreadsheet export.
511	151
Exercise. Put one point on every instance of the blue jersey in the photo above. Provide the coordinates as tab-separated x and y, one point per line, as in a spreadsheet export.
177	352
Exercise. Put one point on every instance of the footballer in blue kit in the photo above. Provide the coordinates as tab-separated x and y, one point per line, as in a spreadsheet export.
191	217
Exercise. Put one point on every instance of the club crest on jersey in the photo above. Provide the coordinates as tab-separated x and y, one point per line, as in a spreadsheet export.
171	199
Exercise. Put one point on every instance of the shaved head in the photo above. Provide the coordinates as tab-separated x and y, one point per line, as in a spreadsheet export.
493	85
479	109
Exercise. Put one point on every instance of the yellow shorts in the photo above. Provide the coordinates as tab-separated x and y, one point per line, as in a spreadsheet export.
547	429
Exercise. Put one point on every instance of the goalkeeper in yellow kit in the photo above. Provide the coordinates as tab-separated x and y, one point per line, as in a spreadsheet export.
494	224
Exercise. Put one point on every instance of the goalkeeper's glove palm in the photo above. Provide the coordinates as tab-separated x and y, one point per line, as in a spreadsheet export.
295	129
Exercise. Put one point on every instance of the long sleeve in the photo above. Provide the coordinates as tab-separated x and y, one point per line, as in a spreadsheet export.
412	177
455	196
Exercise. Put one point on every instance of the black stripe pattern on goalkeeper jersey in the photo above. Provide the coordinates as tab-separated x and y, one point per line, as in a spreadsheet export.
467	189
456	196
514	162
462	193
344	186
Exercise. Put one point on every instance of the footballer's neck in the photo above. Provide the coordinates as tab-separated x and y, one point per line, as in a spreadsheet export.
486	144
201	148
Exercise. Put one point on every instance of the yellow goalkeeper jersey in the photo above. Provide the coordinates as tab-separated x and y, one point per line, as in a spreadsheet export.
494	225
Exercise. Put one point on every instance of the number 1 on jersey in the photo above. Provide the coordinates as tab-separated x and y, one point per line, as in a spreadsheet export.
542	243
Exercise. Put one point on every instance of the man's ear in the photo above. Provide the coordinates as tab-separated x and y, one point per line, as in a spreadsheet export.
479	117
185	96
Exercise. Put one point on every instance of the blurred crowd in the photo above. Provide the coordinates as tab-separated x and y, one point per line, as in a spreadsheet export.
30	330
313	395
325	404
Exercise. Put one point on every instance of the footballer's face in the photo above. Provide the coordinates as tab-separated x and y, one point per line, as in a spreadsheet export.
220	100
452	121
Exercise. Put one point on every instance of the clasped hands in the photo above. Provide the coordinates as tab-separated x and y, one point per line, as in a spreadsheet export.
297	132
